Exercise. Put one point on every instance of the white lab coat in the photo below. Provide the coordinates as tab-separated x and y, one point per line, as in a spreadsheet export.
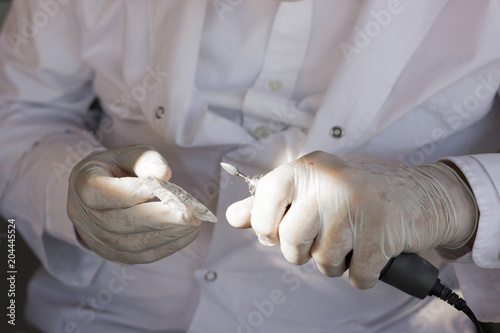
419	87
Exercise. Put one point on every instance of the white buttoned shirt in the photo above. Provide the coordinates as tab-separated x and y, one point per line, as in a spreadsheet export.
258	84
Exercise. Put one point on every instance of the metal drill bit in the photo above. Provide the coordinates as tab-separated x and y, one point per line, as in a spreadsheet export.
251	181
232	170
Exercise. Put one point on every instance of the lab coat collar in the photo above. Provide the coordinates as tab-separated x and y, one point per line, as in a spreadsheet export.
374	57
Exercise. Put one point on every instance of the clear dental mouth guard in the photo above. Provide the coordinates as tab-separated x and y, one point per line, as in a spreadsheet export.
175	197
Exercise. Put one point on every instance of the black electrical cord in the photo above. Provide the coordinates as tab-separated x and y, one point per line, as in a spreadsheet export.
417	277
447	295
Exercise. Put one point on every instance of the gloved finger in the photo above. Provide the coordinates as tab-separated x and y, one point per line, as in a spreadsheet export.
142	241
103	192
143	257
367	262
143	217
239	213
157	253
273	195
297	231
330	249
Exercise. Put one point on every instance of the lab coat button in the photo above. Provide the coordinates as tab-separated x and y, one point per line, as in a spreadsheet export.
210	276
336	132
275	85
160	111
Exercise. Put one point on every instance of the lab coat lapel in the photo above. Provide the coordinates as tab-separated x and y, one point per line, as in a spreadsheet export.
175	37
374	57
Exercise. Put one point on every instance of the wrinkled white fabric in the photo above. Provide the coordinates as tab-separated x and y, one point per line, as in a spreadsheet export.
323	206
419	88
107	203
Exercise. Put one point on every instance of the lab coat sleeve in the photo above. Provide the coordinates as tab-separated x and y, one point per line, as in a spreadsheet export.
479	272
45	91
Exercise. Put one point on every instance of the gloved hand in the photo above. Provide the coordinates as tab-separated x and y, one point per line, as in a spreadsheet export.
338	205
107	205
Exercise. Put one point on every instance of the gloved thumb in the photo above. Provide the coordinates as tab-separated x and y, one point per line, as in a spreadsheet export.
143	161
240	213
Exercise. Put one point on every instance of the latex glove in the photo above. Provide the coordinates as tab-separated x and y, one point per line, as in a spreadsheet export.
107	205
339	205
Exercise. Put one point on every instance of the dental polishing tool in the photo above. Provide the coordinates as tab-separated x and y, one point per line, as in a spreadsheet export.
407	272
